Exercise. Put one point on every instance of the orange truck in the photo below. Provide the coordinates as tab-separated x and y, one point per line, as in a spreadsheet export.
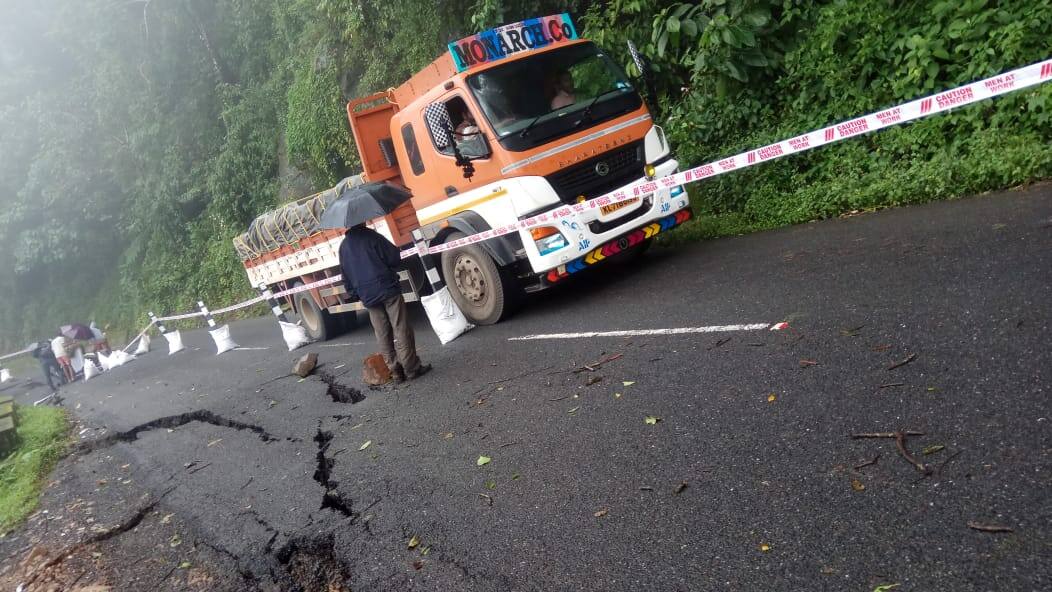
508	124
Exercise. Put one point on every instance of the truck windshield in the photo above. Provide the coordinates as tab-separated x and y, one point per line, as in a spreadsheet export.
547	95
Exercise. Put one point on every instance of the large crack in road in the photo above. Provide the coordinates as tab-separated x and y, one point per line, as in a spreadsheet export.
170	422
332	498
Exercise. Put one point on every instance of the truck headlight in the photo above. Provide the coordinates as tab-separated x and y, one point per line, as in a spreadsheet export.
548	239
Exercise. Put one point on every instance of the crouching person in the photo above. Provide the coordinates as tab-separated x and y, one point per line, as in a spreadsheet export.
369	264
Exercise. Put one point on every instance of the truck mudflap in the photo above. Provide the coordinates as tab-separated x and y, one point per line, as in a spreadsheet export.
621	243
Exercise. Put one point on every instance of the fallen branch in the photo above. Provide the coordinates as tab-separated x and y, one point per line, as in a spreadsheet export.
988	527
891	384
885	434
598	364
718	343
867	463
900	443
900	363
947	461
198	468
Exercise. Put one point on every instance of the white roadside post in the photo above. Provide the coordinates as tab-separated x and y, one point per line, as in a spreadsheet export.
294	335
159	324
174	338
220	335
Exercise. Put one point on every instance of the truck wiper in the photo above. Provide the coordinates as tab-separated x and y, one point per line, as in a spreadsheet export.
587	111
526	130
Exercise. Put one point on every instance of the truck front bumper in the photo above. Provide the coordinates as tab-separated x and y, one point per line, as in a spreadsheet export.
617	245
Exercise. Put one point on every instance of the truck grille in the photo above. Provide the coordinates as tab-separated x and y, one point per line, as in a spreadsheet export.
623	166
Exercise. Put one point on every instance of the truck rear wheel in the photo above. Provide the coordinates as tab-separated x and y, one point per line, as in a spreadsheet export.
483	291
320	325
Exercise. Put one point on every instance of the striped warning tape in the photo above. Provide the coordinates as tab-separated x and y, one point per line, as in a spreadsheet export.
1013	80
1007	82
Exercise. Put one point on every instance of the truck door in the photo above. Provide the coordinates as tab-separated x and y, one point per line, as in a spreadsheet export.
472	141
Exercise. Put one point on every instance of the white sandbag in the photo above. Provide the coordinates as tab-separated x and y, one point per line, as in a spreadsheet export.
295	336
144	345
119	358
5	375
91	370
446	319
175	341
104	361
222	338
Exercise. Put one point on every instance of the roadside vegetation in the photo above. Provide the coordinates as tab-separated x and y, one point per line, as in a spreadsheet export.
140	137
42	438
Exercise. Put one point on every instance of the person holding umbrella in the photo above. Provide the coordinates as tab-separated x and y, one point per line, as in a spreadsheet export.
369	264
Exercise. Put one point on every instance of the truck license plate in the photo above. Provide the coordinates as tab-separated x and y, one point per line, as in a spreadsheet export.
605	210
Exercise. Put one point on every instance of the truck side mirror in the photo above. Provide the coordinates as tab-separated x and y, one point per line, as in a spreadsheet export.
436	116
643	65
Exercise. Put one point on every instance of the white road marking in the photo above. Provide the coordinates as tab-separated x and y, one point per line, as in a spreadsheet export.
249	348
632	333
339	344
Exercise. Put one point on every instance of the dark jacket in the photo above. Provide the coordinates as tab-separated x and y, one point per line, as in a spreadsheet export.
369	264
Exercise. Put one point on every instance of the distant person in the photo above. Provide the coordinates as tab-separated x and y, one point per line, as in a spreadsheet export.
565	93
48	363
58	347
369	264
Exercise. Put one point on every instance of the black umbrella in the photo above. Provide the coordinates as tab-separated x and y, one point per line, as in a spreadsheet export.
358	205
77	332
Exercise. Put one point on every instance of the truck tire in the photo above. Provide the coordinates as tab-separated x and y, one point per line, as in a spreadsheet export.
320	325
484	292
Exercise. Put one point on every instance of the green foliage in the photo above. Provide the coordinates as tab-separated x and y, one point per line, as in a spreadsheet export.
42	439
739	74
317	125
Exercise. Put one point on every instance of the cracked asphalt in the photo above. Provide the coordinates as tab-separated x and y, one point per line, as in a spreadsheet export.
746	480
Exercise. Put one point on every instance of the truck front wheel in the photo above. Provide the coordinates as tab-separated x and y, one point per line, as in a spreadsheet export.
484	292
320	325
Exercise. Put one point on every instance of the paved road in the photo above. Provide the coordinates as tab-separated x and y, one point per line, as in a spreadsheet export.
746	482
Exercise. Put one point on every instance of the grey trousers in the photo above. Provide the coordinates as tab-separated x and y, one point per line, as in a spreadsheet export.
394	335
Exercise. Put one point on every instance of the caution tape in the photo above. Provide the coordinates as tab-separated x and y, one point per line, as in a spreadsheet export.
137	337
311	286
247	303
238	306
180	317
1007	82
16	354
